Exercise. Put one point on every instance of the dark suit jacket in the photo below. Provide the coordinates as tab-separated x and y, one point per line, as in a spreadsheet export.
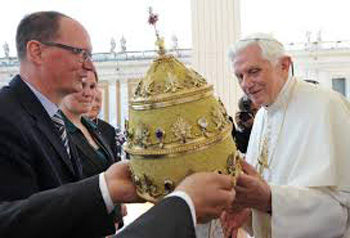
33	159
71	210
109	133
90	159
171	218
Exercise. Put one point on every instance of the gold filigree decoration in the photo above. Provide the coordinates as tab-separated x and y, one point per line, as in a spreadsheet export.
174	148
149	89
222	108
172	84
233	164
171	99
141	136
203	124
206	127
198	79
219	119
182	130
138	92
130	135
146	186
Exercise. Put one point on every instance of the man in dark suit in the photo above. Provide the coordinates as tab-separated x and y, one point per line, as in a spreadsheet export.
54	53
40	191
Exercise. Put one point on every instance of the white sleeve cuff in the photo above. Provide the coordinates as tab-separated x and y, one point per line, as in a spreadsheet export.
189	202
105	193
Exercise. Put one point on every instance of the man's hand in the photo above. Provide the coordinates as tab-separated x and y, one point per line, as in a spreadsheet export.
232	219
119	183
124	210
252	190
211	193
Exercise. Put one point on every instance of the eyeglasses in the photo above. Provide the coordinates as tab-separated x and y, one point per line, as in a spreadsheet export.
85	54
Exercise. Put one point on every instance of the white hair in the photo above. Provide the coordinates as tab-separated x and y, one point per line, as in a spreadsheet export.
271	49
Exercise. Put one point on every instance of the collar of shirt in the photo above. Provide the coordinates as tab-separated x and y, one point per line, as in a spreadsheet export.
49	106
283	97
72	128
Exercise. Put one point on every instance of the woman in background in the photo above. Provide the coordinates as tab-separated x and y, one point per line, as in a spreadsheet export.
93	149
114	136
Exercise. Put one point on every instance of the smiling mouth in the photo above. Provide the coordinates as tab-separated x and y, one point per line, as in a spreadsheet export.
254	93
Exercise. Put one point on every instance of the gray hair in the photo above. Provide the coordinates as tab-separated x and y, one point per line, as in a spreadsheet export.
271	49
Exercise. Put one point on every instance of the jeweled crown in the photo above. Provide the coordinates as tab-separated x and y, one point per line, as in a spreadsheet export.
176	127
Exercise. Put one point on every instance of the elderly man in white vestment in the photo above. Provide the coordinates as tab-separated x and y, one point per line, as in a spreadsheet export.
297	179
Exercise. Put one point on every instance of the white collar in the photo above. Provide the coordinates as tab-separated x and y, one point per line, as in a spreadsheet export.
283	97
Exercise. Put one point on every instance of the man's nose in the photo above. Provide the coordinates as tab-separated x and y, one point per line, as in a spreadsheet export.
87	64
246	82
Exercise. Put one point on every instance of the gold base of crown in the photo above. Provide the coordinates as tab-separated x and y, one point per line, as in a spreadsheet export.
157	176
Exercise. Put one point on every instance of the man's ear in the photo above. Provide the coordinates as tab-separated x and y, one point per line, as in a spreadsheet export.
34	52
285	62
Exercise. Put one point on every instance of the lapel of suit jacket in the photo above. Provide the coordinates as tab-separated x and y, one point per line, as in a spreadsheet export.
99	139
77	164
43	122
104	145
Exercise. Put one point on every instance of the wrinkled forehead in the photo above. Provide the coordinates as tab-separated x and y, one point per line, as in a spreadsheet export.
247	57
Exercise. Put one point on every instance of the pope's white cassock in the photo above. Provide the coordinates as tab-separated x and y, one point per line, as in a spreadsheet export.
307	135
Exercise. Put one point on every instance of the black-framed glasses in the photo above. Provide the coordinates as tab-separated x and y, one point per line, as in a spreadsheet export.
85	54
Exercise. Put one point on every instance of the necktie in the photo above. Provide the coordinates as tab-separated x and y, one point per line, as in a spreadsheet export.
59	124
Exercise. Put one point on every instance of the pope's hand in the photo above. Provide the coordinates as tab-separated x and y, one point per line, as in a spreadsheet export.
211	193
120	185
252	190
232	219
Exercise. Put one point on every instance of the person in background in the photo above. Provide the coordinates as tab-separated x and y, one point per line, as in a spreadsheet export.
94	150
113	135
244	119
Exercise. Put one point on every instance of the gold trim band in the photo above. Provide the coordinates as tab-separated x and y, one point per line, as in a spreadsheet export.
171	100
172	152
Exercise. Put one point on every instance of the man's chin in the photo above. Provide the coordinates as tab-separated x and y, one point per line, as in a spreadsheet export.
259	100
256	100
